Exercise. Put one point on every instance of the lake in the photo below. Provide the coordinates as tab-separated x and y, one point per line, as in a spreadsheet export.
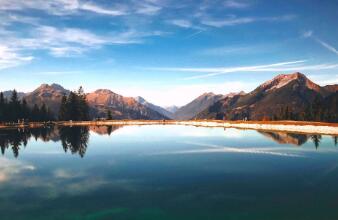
166	172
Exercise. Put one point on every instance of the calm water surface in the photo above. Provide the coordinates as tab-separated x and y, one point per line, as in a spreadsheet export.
166	172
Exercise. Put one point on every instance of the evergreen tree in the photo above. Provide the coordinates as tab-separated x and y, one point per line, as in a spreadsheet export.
14	107
2	107
109	115
63	109
25	111
35	116
74	107
43	113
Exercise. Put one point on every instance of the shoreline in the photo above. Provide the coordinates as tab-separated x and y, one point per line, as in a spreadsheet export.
277	126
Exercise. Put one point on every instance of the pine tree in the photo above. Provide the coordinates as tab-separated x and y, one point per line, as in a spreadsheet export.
74	107
63	109
35	116
43	113
14	107
2	107
25	111
109	115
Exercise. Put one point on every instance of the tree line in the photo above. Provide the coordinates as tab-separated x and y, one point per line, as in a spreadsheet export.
14	110
73	107
319	110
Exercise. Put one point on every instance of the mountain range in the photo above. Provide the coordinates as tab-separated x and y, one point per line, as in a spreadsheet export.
295	91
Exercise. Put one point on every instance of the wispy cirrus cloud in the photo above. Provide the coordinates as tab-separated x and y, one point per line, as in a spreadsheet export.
60	7
328	46
100	10
298	65
236	4
181	23
234	20
67	42
221	51
185	23
11	58
148	9
70	7
310	34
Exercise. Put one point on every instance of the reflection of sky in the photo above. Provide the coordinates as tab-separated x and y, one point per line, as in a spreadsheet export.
144	162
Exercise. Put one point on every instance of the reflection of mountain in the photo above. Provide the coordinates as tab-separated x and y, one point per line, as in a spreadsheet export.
104	130
286	138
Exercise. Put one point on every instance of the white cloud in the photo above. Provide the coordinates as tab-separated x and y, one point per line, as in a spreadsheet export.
220	51
148	9
52	35
309	34
327	46
236	4
233	20
58	7
66	51
99	10
227	21
181	23
184	23
10	58
68	42
297	65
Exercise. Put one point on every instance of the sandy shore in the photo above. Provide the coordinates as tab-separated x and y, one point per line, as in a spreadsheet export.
286	126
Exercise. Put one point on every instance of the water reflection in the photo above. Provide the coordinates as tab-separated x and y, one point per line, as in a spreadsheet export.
75	139
286	138
16	138
295	139
104	130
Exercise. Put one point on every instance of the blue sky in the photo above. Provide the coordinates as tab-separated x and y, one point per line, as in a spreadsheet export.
167	51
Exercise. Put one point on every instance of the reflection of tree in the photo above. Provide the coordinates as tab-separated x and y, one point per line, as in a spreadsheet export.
15	138
109	130
75	139
316	140
335	140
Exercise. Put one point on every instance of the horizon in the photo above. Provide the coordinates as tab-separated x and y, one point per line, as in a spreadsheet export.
168	52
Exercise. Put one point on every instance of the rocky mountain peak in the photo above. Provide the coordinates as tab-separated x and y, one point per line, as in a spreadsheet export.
103	91
50	88
284	79
140	99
